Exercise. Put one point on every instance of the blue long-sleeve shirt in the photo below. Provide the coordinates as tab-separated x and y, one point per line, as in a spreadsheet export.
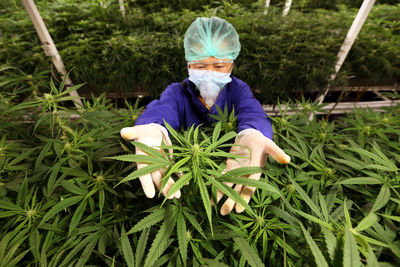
180	105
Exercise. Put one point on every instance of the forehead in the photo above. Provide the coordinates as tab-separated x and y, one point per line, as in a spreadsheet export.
212	59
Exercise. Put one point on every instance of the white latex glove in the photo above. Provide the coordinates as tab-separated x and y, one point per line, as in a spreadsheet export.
151	135
254	147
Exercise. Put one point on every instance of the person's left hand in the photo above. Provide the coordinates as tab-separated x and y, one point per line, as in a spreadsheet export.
254	148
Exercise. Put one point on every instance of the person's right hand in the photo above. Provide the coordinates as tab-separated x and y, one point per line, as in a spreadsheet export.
151	135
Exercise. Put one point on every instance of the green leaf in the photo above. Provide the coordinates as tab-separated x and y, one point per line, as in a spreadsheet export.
42	154
220	141
139	158
182	236
367	222
216	132
82	244
22	193
316	220
161	241
181	182
214	263
156	216
229	192
84	257
77	216
250	182
175	168
306	198
206	199
382	198
63	204
194	222
148	149
361	180
141	246
330	241
347	215
391	217
372	261
248	252
351	256
127	249
8	205
142	171
319	258
34	243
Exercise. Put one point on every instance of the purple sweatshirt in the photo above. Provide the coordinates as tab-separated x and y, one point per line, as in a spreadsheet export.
180	106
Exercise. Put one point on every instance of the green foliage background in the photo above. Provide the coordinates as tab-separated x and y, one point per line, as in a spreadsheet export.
64	202
280	57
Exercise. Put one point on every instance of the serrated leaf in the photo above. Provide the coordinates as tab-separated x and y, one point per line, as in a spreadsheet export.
216	132
220	141
182	236
382	198
306	198
148	149
63	204
366	223
142	171
156	216
141	246
319	258
391	217
330	241
315	219
161	241
229	192
139	158
194	222
361	180
351	256
77	216
253	183
206	199
127	249
181	182
248	252
34	243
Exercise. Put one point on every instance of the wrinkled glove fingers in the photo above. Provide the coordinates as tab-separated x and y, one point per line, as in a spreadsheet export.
156	176
229	203
220	194
276	152
247	193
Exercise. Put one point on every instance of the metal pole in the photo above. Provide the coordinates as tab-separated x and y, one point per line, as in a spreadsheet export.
48	45
288	4
122	7
267	2
348	42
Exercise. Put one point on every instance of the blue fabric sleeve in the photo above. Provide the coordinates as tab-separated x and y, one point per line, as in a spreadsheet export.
166	108
250	113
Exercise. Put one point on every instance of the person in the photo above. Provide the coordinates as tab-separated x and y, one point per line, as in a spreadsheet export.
211	46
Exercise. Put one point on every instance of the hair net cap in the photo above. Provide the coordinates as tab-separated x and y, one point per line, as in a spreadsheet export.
211	37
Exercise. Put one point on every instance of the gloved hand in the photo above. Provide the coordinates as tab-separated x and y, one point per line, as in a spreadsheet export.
254	148
151	135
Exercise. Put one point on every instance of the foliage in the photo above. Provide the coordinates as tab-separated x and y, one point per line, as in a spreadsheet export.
143	52
63	201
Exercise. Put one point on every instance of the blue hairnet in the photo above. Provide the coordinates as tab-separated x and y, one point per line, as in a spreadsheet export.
211	37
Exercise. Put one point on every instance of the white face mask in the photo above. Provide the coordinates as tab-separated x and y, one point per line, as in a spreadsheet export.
209	83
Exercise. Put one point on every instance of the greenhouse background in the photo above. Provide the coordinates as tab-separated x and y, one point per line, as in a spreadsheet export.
68	189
